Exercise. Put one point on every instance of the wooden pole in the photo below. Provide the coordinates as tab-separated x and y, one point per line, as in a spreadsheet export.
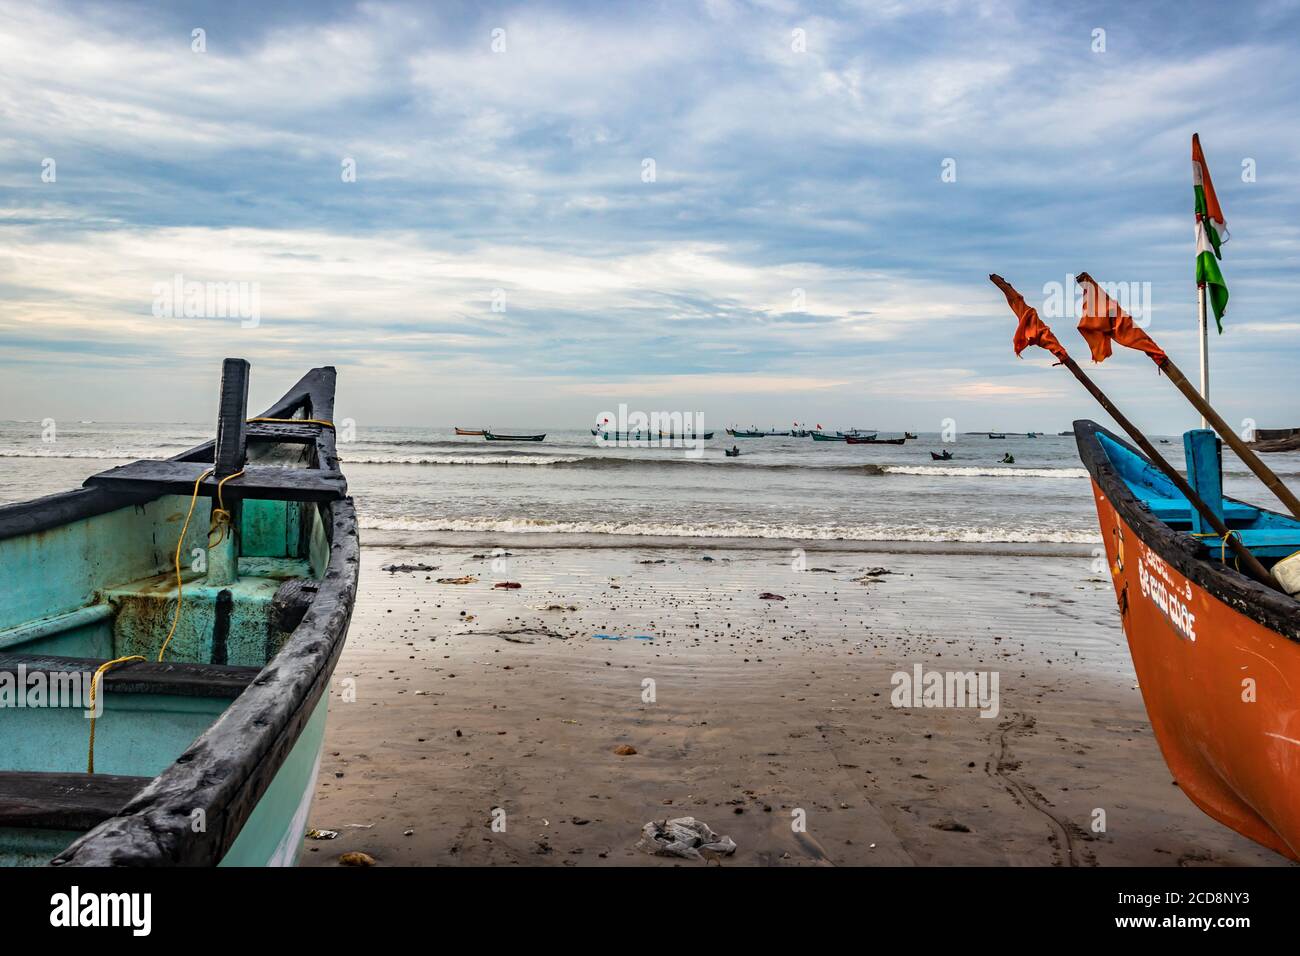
1261	470
1205	347
1251	563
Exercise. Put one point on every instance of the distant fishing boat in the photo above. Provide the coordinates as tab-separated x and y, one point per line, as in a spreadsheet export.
997	435
493	436
822	436
872	440
476	432
647	436
945	455
739	433
214	686
1217	653
909	435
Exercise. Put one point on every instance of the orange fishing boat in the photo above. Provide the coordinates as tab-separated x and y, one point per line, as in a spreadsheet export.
476	432
1217	654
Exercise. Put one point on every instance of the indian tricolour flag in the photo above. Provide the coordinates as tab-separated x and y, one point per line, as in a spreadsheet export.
1211	233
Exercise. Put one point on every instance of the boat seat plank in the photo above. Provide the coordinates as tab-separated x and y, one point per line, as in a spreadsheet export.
1178	509
1263	542
288	434
174	678
63	801
257	481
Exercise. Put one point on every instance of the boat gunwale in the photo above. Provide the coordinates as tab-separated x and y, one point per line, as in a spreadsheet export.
1265	606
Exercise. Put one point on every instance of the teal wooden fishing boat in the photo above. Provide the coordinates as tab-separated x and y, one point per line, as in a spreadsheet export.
200	739
821	436
493	436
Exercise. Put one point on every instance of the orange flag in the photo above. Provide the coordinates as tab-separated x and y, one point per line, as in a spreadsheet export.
1104	320
1031	330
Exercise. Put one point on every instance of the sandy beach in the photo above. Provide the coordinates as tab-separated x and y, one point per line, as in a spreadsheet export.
452	700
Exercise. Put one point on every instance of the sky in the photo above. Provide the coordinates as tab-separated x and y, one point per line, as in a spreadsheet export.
527	214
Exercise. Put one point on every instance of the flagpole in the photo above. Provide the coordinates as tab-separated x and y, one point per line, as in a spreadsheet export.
1205	347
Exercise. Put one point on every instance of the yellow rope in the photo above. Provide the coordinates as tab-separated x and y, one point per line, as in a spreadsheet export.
179	544
293	421
94	686
220	516
1223	544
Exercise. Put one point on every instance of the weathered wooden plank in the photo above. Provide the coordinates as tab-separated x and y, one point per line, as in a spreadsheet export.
175	678
257	481
268	432
63	801
229	453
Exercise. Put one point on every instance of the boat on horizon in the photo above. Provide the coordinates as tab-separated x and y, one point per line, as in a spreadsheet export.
210	678
822	436
474	432
1217	653
997	435
493	436
873	440
648	436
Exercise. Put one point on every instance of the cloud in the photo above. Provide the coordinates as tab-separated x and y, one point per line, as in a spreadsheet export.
796	231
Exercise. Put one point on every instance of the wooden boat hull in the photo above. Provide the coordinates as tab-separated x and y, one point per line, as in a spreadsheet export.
1217	657
473	432
227	730
818	436
491	437
736	434
855	440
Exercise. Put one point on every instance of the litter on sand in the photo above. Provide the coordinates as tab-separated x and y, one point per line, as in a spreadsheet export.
686	837
467	579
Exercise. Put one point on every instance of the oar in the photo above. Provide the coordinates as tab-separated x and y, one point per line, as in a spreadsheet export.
1261	470
1251	563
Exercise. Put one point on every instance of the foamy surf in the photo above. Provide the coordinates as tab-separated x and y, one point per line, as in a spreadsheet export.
979	471
872	533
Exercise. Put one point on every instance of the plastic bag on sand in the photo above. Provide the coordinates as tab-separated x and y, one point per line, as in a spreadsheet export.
685	837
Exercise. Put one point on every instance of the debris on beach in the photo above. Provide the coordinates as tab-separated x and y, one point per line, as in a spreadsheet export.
951	826
394	568
509	585
769	596
625	750
518	635
555	607
685	837
653	561
315	834
871	575
467	579
357	858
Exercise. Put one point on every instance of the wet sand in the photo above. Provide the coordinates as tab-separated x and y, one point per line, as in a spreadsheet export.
470	698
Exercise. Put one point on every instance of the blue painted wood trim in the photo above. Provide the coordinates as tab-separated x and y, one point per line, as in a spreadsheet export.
45	627
1204	473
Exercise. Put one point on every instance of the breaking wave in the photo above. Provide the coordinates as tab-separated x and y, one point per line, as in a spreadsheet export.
1024	535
